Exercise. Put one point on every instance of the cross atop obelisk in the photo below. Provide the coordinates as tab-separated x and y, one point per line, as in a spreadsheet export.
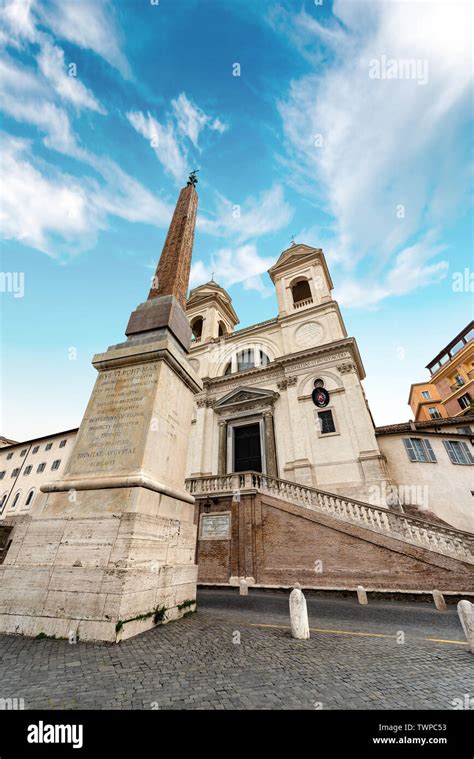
172	273
166	303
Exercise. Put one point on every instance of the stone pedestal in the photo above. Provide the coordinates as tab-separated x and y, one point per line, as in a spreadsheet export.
112	552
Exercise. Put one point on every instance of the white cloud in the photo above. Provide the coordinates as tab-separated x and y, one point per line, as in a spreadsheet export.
69	88
390	147
16	16
410	271
89	24
164	142
230	266
169	141
191	120
33	207
255	217
56	213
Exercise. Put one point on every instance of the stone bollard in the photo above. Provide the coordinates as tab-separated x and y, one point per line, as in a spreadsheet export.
362	595
298	614
466	616
244	587
439	601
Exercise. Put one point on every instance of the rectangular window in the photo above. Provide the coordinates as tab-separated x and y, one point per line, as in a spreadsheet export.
27	470
41	467
2	474
55	464
426	394
326	422
35	449
23	453
15	472
419	449
62	443
434	413
465	400
48	447
465	430
10	455
458	452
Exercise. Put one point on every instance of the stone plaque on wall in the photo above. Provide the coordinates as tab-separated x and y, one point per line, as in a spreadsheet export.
215	527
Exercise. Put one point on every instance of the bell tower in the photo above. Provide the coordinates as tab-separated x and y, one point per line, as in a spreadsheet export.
210	312
301	278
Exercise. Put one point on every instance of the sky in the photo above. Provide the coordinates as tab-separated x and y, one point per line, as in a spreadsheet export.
346	125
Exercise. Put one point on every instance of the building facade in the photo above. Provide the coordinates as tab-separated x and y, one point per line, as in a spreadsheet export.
256	410
24	467
431	463
449	391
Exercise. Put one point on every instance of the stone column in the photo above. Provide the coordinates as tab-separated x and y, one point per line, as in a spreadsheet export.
270	450
222	460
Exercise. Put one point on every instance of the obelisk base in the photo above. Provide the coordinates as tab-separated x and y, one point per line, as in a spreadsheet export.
101	579
111	552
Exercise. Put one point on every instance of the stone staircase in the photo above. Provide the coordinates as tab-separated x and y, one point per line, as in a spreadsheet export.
443	540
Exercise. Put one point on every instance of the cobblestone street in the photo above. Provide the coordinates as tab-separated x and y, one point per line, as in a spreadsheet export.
352	661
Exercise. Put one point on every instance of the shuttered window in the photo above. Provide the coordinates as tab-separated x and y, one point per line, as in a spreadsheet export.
458	452
419	449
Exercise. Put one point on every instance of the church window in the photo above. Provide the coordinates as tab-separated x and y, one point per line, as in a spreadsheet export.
419	450
56	464
196	327
48	447
247	359
41	467
326	422
458	452
23	453
35	449
2	502
15	500
222	329
62	443
301	292
30	498
10	455
15	473
27	470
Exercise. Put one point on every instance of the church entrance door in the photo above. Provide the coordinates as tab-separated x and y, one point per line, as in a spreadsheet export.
247	450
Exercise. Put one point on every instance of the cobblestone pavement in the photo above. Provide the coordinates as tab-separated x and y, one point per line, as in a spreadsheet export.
198	663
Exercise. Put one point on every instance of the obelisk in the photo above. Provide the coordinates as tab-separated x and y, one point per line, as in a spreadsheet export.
111	551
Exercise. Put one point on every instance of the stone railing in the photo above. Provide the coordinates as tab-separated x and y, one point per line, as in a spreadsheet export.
445	540
301	303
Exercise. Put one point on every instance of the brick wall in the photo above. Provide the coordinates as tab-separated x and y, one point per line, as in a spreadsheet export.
278	543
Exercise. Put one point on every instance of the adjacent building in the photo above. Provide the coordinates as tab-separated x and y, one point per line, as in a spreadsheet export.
449	391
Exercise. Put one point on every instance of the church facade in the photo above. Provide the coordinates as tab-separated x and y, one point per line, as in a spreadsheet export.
256	411
211	454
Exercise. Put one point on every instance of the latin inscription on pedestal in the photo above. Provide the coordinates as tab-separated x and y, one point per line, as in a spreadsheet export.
116	421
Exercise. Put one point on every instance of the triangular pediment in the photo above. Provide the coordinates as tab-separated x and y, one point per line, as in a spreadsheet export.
297	251
245	395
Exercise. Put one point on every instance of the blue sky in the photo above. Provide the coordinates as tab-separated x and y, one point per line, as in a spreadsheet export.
107	106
